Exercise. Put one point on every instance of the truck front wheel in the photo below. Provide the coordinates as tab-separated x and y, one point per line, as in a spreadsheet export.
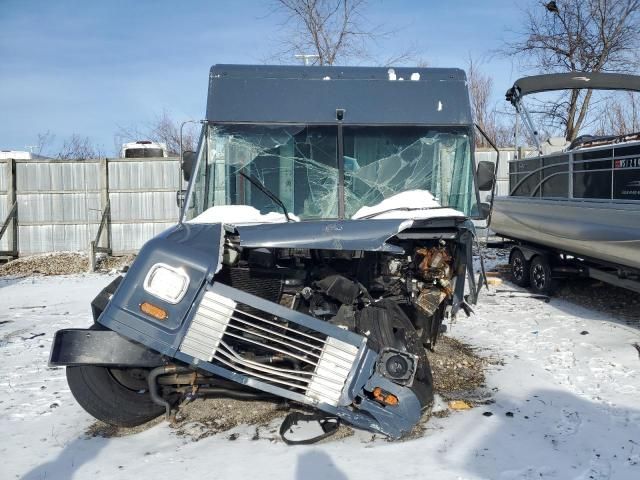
116	396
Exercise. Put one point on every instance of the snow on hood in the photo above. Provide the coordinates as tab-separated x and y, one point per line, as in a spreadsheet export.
412	204
239	215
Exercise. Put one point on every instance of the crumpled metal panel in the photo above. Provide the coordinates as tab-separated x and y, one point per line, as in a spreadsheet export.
370	235
57	176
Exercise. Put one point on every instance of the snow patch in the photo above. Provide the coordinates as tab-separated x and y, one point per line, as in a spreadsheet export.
239	215
412	204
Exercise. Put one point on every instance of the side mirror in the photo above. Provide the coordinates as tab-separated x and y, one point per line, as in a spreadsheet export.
188	162
485	210
180	196
486	175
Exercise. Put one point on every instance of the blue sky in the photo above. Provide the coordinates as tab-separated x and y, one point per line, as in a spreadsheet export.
88	67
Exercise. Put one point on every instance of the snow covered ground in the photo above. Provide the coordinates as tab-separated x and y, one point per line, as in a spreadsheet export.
566	405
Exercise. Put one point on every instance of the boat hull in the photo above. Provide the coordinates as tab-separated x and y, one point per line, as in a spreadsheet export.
604	231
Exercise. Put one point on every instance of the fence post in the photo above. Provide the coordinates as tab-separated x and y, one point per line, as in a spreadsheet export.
11	199
104	197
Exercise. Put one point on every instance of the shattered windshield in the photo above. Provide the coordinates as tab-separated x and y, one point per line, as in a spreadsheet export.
299	165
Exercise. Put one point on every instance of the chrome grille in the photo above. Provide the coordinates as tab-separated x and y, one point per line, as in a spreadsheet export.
223	328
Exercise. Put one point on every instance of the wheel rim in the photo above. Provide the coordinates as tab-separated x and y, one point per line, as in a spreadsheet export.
518	268
132	379
539	276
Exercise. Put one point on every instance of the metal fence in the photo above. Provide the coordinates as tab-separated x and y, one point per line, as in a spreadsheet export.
5	178
60	203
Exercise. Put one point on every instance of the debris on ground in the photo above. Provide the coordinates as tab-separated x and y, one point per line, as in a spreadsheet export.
459	405
115	264
62	263
457	368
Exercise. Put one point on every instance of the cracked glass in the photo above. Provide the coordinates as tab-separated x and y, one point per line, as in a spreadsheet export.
299	165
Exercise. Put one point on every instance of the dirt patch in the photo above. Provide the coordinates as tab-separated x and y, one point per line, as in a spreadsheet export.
620	303
61	263
115	264
456	368
100	429
202	418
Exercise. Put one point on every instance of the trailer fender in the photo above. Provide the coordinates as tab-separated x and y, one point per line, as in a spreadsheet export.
529	252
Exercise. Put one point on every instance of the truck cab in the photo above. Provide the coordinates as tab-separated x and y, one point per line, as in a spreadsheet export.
325	236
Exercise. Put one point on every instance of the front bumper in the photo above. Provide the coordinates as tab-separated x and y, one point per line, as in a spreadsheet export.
319	364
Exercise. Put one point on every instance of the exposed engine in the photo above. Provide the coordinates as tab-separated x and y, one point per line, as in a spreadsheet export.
397	302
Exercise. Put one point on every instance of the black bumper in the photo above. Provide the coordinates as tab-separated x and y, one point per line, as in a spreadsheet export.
78	346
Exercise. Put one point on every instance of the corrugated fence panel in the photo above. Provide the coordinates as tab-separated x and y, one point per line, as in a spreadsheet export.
4	200
149	174
53	208
143	200
4	211
58	205
38	176
4	177
129	237
54	238
144	206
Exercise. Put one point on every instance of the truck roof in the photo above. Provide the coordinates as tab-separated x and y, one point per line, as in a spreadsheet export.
312	94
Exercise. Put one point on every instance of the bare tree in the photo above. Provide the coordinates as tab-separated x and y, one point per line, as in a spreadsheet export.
163	129
328	32
77	147
484	113
621	116
578	35
45	141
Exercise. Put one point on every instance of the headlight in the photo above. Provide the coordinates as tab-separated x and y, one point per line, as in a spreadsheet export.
166	282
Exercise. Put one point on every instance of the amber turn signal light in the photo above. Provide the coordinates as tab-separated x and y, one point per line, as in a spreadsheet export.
386	398
154	311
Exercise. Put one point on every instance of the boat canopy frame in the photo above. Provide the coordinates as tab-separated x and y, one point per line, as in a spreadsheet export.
564	81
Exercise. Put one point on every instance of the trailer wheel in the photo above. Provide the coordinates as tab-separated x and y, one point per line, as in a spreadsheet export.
520	268
115	396
540	275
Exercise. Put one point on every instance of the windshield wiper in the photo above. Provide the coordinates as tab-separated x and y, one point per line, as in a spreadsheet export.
260	186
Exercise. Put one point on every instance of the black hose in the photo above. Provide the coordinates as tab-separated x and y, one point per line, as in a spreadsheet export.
153	384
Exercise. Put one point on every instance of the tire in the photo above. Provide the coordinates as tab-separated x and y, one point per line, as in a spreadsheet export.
113	396
540	276
520	268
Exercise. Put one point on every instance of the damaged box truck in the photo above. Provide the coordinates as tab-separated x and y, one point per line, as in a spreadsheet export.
325	236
